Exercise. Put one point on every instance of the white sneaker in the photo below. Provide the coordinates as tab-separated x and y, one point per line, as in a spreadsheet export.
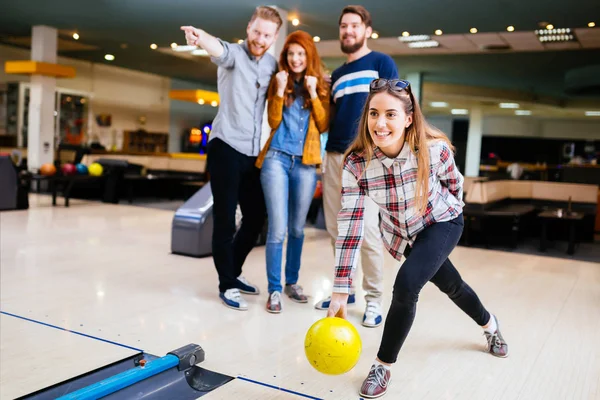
372	317
233	299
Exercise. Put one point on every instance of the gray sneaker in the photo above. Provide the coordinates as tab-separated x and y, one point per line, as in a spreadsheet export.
496	345
295	293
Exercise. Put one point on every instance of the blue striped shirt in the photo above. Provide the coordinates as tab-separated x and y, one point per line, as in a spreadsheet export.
349	90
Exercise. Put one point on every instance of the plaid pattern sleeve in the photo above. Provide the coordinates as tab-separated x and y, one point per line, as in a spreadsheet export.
350	227
448	173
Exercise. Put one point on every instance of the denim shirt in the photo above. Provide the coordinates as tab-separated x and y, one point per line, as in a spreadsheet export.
291	133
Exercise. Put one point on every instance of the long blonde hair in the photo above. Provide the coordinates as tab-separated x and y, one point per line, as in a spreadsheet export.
417	136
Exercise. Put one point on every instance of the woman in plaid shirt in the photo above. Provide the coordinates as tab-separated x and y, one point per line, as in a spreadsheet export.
407	167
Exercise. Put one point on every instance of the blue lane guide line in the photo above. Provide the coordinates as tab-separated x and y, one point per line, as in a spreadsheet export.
132	376
278	388
123	380
70	331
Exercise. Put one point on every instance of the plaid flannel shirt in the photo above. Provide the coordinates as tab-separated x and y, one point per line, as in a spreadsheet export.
391	183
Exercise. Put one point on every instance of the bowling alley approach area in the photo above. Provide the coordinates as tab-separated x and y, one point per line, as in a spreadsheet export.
102	288
301	200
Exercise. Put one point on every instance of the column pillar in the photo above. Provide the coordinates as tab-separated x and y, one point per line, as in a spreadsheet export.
40	134
473	158
416	84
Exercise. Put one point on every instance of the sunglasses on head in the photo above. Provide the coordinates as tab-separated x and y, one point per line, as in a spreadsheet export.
396	85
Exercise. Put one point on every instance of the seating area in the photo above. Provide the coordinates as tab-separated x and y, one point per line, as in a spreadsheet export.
495	210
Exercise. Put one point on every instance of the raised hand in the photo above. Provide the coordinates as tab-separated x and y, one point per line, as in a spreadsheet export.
311	85
192	35
282	78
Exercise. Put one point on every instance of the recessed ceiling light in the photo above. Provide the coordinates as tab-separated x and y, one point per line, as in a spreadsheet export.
438	104
592	113
416	38
405	34
438	32
76	36
591	24
459	111
316	39
510	28
153	46
509	105
473	30
549	26
295	22
522	112
374	35
423	44
109	57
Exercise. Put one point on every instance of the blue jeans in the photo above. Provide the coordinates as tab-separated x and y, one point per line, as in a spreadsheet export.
289	187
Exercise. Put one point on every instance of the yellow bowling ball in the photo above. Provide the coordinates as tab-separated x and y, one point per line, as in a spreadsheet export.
332	346
95	169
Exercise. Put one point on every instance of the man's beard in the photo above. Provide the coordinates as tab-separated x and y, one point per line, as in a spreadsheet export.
353	48
254	47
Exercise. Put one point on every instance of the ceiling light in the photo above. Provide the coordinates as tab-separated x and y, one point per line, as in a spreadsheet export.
438	104
423	44
200	101
473	30
214	103
374	35
316	39
405	34
510	28
522	112
415	38
295	22
591	24
592	113
173	45
438	32
549	26
459	111
109	57
76	36
509	105
153	46
240	41
555	35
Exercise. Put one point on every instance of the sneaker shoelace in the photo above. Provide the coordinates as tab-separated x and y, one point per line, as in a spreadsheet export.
275	298
297	288
493	339
378	377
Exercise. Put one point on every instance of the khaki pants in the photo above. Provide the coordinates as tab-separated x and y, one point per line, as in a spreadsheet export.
371	252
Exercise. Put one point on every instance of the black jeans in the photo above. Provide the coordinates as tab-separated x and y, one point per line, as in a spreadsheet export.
427	261
233	179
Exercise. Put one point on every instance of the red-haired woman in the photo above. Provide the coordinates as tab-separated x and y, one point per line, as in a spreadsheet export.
298	108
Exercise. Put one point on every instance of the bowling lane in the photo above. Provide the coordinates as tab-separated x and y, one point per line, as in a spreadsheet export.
34	356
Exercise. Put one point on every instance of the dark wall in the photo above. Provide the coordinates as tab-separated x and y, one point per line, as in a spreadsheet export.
533	150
